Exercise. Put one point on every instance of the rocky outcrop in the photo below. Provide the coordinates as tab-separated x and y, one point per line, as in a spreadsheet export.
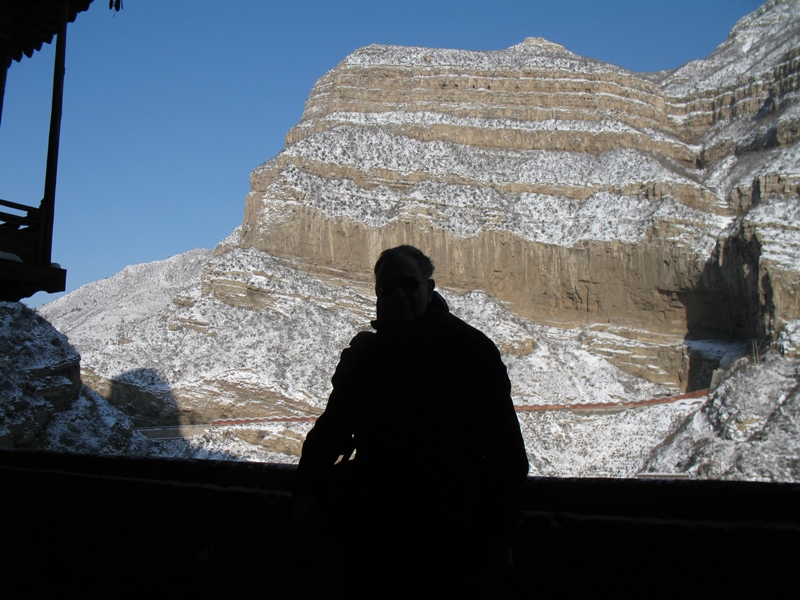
575	191
749	429
45	406
618	235
40	375
43	403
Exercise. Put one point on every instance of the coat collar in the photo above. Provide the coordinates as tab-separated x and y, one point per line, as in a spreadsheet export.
437	306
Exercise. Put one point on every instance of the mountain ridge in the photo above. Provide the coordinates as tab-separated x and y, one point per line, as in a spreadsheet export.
593	225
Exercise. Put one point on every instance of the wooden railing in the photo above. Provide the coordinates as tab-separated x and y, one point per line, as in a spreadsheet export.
21	235
213	529
26	238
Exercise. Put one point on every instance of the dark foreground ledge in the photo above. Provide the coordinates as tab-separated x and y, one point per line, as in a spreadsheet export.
92	527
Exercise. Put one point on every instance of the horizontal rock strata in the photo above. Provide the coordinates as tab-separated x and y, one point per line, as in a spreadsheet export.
618	235
573	190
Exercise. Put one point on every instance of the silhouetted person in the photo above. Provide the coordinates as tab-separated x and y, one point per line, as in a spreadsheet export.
429	503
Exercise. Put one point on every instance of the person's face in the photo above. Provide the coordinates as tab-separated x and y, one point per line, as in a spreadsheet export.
403	291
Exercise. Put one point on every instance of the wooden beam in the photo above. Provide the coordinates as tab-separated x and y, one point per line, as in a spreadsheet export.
48	202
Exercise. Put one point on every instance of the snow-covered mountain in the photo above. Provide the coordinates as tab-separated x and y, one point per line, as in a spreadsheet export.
619	235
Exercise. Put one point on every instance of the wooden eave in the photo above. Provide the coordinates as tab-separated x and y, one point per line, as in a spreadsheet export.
26	232
26	25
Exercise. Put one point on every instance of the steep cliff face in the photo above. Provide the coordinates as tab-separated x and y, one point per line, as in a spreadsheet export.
40	375
605	228
571	189
749	429
43	404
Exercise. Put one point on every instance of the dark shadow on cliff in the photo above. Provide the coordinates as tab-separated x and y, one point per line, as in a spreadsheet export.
155	410
145	397
731	304
82	516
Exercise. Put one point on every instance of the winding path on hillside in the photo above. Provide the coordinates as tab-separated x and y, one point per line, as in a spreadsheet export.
182	431
589	407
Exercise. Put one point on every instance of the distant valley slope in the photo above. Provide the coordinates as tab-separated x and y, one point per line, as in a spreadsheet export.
619	235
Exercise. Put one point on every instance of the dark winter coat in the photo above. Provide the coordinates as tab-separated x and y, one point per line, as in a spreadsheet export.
438	450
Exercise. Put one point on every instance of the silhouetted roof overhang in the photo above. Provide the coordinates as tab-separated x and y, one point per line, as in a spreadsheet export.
25	25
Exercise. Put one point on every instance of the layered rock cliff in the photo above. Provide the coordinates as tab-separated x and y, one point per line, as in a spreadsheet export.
749	429
40	375
43	404
575	191
619	235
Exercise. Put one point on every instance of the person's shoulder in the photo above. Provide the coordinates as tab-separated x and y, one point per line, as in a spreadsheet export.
363	341
362	337
451	321
355	357
464	331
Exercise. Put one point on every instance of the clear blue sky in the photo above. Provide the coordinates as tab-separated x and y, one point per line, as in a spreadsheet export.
169	105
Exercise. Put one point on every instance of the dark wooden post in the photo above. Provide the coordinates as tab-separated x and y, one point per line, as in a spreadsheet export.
47	206
5	61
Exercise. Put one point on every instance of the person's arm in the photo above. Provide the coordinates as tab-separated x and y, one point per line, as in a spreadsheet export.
328	440
503	449
330	437
332	434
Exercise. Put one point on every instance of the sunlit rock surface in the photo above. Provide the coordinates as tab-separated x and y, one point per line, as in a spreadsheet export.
619	235
749	429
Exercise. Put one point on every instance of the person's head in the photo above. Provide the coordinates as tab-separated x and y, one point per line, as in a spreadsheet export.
403	284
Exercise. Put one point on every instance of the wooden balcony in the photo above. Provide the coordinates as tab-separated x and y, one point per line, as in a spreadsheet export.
90	527
25	240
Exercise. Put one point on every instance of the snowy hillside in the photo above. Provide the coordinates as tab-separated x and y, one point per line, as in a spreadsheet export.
620	236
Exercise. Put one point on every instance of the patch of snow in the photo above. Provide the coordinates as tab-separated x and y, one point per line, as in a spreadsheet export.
788	342
757	43
721	350
375	149
748	429
777	222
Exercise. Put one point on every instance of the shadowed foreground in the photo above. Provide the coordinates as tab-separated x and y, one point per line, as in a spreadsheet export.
90	527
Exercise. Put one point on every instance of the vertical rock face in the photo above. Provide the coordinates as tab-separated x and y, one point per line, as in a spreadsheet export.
599	225
575	191
749	429
40	375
